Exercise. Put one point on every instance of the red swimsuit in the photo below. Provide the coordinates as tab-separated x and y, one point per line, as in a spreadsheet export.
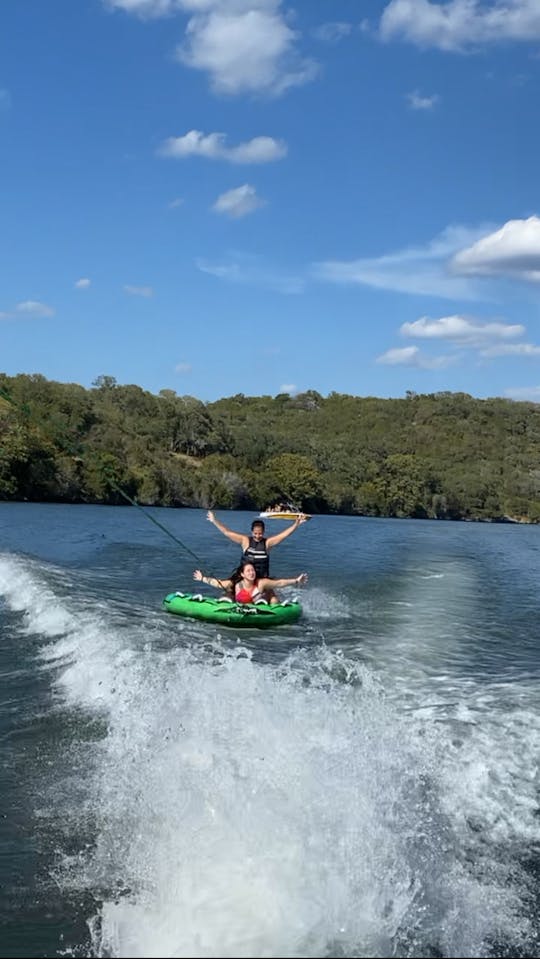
246	596
243	596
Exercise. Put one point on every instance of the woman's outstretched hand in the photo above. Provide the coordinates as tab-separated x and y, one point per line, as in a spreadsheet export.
197	574
210	516
300	580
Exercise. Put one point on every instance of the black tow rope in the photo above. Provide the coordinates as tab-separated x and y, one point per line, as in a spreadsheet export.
159	525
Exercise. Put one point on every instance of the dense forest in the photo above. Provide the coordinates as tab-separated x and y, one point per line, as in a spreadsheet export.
435	456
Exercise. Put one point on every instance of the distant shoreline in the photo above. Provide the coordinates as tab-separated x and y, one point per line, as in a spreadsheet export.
497	520
425	456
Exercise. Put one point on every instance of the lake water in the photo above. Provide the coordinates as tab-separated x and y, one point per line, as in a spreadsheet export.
363	783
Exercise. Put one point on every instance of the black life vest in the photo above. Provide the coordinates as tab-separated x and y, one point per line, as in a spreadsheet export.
257	554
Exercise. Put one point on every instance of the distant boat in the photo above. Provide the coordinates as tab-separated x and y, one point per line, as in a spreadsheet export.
283	512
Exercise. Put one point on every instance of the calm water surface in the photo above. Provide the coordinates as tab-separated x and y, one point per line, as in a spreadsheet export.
363	783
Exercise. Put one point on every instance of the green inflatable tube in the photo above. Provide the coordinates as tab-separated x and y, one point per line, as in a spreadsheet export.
250	615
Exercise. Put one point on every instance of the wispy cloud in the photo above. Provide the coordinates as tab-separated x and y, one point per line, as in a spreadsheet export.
460	24
511	349
530	393
487	339
513	250
28	309
455	265
238	202
34	308
412	356
462	330
416	270
5	100
213	146
174	204
182	368
82	284
138	290
288	388
332	31
249	270
146	9
418	102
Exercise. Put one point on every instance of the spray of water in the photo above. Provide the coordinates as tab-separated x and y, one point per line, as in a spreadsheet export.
248	809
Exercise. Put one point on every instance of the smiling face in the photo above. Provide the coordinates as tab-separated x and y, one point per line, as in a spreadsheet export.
257	531
248	573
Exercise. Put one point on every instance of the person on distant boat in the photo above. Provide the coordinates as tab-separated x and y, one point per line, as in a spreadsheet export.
244	586
255	548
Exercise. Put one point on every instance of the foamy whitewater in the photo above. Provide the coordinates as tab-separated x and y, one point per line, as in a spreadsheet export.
364	783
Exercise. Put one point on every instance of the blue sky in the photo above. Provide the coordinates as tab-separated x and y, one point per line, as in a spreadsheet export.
255	196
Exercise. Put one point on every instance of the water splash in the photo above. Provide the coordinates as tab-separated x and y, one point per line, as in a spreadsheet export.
291	808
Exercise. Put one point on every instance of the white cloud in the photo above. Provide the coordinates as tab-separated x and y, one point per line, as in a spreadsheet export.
174	204
411	356
138	290
511	349
418	102
416	270
512	250
213	146
246	46
29	308
223	271
461	330
460	24
238	202
146	9
182	368
34	308
490	339
333	31
530	393
83	283
399	355
251	270
5	100
288	388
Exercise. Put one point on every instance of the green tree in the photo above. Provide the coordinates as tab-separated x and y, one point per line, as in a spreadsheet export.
295	478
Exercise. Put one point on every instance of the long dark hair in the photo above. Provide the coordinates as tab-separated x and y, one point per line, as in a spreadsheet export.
238	574
235	577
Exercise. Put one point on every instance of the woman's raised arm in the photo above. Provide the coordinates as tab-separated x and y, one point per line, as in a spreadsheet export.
278	583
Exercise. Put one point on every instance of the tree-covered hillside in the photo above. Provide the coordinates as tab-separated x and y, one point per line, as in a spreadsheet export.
442	455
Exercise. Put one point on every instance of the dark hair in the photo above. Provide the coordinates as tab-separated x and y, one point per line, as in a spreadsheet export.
234	578
238	574
257	522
